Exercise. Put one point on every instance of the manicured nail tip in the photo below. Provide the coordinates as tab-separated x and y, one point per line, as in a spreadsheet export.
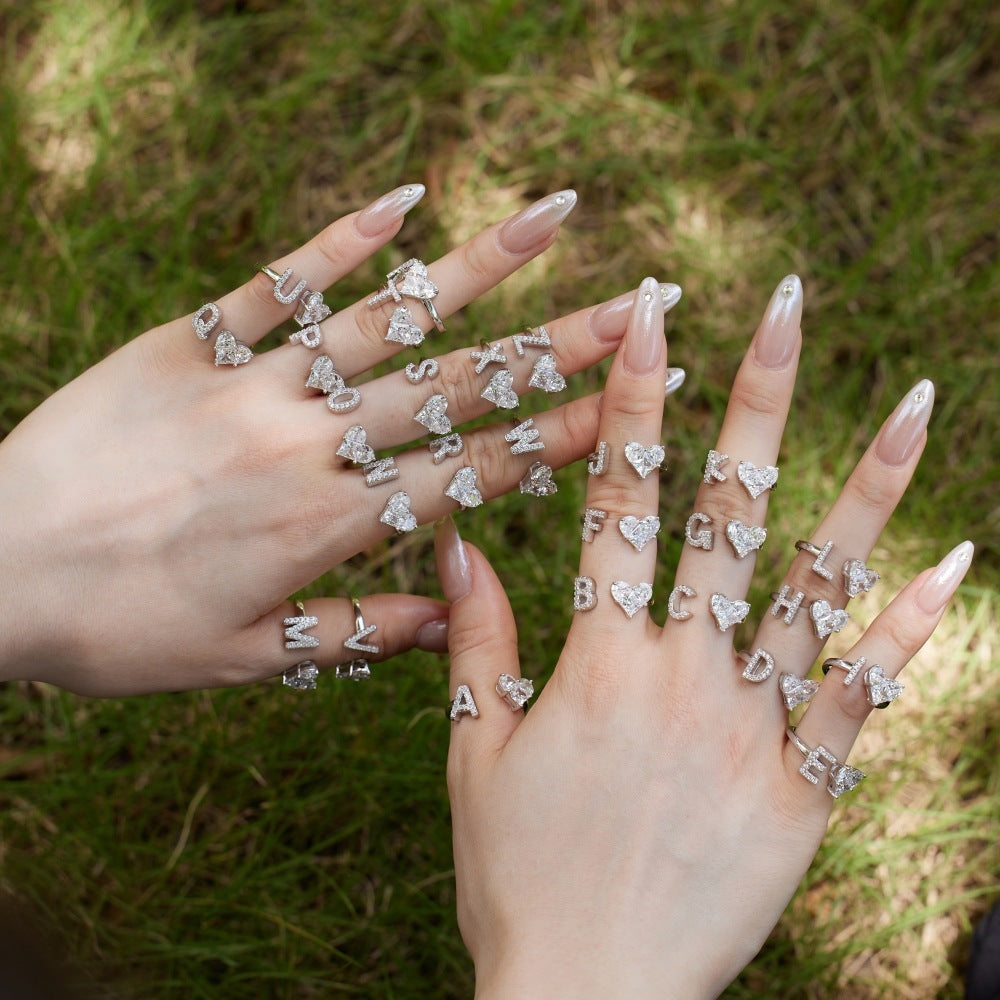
452	560
391	207
904	429
943	582
644	344
779	329
675	379
537	221
671	294
432	637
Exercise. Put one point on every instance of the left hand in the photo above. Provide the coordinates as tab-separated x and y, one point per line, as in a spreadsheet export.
640	831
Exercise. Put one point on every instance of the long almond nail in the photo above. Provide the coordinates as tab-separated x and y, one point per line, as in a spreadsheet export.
644	344
390	208
530	227
943	582
609	319
453	566
778	333
903	431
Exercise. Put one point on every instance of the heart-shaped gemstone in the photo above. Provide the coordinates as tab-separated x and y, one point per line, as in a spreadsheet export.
538	481
462	488
499	392
311	309
637	531
825	619
843	778
545	377
515	690
402	329
397	514
755	478
728	613
230	351
205	320
415	282
631	599
882	690
355	446
858	578
745	538
643	459
432	414
322	374
796	690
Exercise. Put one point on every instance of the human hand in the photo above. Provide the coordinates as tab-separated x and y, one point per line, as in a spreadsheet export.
640	831
158	511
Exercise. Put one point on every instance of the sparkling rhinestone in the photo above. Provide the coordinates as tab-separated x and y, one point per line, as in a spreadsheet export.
432	415
638	531
462	488
728	613
843	778
796	690
499	391
631	599
643	459
755	478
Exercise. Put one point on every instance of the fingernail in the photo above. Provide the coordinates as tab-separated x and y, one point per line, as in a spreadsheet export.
432	637
532	225
644	343
383	212
944	581
453	566
774	344
675	379
904	429
609	319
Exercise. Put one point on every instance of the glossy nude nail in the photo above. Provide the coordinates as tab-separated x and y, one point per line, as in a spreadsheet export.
453	566
608	320
904	429
644	344
943	582
391	207
537	221
774	343
432	637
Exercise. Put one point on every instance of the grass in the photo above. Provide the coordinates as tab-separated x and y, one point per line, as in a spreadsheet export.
247	843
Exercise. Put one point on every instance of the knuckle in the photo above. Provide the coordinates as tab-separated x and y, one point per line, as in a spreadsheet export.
723	505
463	395
898	631
757	397
479	262
871	494
849	703
488	453
616	497
330	248
261	293
635	406
371	325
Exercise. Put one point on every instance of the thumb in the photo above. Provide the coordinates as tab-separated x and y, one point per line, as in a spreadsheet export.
482	641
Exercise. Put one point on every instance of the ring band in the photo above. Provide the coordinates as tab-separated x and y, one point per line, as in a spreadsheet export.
853	669
819	761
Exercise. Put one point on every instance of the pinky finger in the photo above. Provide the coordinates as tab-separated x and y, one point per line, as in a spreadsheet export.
843	702
352	636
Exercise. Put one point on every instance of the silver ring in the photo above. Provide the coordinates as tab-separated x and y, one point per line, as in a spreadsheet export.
432	414
853	669
538	481
397	513
311	308
545	375
819	761
713	467
727	613
744	538
644	460
203	327
295	626
597	461
230	351
631	599
759	665
402	329
499	390
880	690
756	479
524	438
356	670
280	280
515	691
796	690
412	282
379	471
340	397
539	337
491	354
638	531
584	593
355	447
361	631
463	488
462	704
301	677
